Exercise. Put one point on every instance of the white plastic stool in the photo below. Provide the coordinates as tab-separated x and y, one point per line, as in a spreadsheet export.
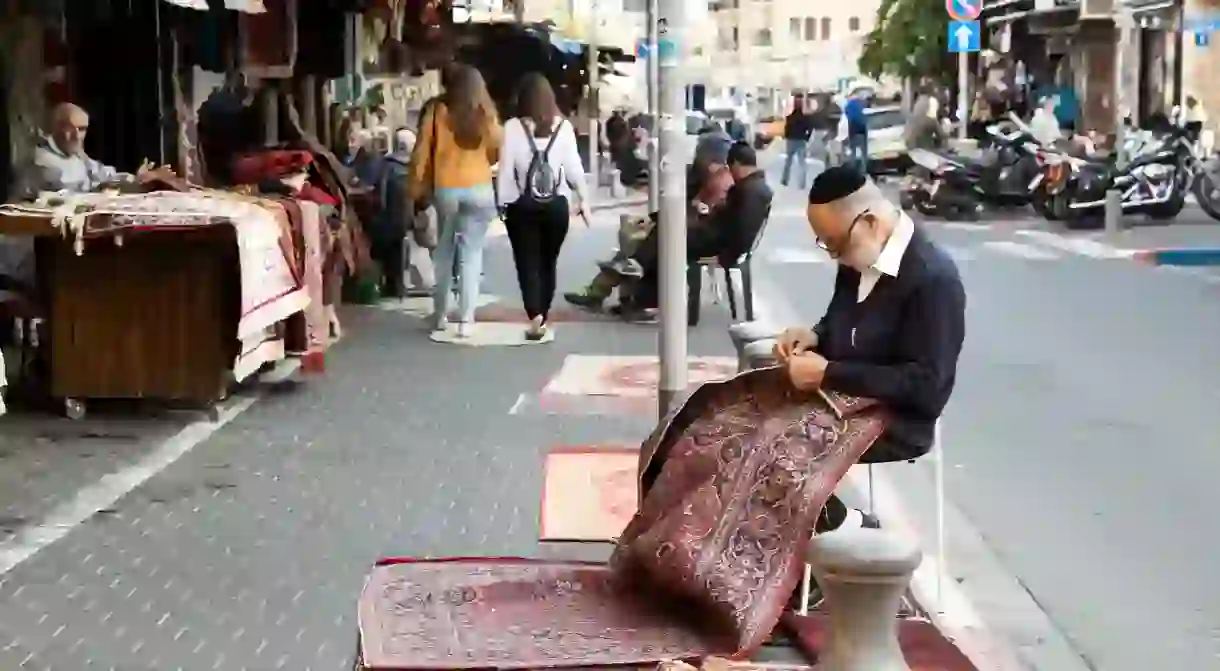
938	463
744	333
863	574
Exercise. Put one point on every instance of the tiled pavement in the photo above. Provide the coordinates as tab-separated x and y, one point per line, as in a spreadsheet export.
44	461
249	551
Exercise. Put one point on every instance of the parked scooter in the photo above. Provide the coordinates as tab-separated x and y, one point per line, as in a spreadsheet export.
954	186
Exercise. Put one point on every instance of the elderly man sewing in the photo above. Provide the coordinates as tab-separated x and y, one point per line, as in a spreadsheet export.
60	162
895	324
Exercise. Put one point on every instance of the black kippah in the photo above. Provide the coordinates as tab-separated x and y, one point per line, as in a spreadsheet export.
835	183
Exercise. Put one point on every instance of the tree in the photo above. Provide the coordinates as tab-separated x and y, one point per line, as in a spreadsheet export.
908	40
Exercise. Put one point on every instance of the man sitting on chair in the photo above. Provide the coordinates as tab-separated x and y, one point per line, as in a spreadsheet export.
895	324
708	181
727	234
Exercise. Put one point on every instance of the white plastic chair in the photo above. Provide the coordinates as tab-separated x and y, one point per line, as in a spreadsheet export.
939	477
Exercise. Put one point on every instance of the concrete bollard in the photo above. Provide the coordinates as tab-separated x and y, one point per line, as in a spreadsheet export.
863	574
758	354
744	333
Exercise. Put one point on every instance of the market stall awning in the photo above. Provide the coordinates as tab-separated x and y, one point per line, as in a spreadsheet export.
247	6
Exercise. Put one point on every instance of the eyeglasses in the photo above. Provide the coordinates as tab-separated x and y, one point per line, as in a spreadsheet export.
839	247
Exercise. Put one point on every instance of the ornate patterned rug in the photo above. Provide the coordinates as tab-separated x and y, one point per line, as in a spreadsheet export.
731	483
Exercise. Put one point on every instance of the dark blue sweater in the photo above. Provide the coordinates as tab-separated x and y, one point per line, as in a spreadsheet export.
901	345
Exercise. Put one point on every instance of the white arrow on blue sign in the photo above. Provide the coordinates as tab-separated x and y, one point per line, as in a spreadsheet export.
964	36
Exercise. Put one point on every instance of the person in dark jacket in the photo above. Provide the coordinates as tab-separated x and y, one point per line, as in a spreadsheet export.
395	217
728	233
896	321
798	127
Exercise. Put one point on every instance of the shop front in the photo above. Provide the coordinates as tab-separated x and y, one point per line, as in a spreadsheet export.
151	285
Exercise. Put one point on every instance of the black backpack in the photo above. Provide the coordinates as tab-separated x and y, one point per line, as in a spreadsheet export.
541	184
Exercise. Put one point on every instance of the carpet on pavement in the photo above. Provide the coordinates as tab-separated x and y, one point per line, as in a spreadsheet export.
589	493
490	335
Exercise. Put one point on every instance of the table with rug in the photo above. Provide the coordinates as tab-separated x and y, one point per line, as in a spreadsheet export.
170	295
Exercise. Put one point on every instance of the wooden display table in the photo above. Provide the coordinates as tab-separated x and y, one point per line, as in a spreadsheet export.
149	315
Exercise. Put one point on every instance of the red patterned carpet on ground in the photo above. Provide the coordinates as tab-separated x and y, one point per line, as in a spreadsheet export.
589	492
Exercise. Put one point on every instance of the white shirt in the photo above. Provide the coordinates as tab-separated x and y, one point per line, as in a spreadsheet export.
516	155
890	258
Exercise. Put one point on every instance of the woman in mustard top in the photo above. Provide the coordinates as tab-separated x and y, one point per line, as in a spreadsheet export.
459	142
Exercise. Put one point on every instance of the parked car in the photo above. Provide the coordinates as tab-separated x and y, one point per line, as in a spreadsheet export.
887	150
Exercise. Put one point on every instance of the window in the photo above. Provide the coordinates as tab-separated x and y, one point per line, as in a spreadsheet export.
810	29
736	37
885	118
763	38
853	24
794	28
826	28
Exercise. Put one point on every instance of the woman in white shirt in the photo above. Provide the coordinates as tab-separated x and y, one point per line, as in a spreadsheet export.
540	169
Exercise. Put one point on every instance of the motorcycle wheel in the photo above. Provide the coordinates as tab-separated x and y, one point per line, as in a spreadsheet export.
906	200
1059	207
1207	193
1042	207
1170	208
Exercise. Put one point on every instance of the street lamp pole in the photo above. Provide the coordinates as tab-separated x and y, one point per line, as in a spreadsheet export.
594	105
654	109
671	32
1114	197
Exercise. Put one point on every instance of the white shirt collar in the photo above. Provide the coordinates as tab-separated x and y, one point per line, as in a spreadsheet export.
895	248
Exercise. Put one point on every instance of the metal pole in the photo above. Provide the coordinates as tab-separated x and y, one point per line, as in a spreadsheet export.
671	30
594	105
1114	198
963	94
654	110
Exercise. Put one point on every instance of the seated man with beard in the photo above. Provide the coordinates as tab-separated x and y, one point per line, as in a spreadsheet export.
727	234
894	328
708	178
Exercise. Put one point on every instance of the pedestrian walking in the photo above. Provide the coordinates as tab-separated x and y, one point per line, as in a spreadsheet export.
540	171
451	169
857	130
798	127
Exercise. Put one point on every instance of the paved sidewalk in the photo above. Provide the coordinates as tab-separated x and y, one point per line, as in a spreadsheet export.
249	551
45	459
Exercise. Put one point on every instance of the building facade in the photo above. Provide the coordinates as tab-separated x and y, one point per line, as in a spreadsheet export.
782	44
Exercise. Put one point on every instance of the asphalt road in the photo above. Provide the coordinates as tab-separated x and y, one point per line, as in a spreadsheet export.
1078	444
1081	438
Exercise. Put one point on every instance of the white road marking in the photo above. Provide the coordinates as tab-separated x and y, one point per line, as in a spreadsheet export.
963	226
1073	245
959	254
797	255
1028	252
937	591
102	494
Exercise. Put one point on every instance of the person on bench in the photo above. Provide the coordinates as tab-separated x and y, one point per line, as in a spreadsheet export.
708	178
727	234
895	324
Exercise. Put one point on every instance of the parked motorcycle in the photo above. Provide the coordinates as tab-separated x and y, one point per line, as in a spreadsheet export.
1155	182
954	186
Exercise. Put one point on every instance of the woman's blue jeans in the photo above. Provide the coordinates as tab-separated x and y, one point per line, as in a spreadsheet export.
463	217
